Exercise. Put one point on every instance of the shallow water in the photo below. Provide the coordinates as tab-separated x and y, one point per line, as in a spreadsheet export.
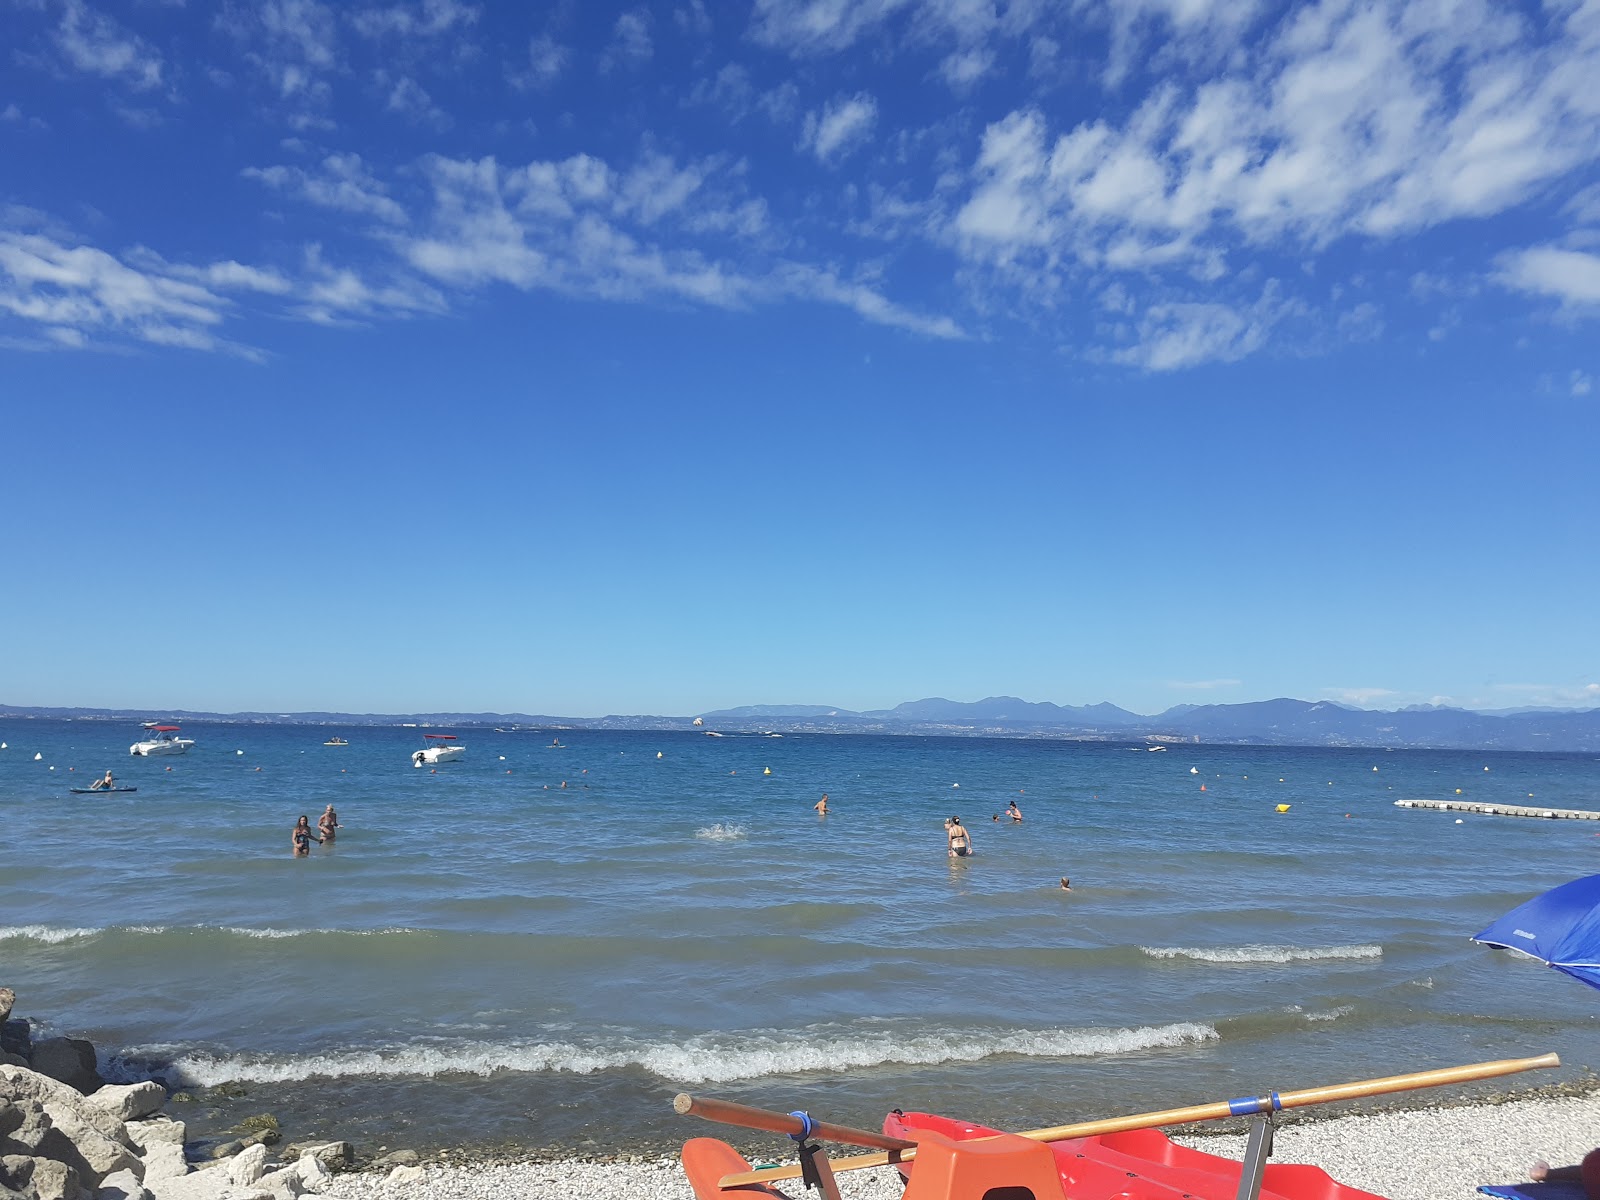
536	966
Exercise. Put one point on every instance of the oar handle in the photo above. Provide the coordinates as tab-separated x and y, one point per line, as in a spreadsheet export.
1203	1112
730	1113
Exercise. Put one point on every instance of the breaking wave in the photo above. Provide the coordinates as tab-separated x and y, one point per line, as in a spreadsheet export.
715	1058
720	832
1263	954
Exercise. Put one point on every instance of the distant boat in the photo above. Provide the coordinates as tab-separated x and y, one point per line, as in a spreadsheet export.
1153	749
712	733
336	741
441	749
160	739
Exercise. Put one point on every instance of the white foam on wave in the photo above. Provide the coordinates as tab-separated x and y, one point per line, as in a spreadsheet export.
1331	1014
715	1058
50	934
1263	954
720	832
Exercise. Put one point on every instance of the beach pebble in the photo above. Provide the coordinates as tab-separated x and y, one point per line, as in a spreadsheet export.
314	1177
406	1175
396	1158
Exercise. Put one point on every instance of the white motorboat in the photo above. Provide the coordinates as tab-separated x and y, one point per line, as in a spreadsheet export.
160	739
441	748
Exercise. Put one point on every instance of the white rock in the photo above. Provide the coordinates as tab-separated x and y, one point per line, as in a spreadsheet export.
19	1083
128	1101
122	1185
210	1184
406	1175
145	1134
284	1183
246	1167
314	1177
164	1160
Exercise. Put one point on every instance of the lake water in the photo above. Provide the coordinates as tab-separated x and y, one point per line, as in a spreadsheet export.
486	958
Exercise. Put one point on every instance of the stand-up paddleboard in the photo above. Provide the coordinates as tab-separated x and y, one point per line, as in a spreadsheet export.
101	791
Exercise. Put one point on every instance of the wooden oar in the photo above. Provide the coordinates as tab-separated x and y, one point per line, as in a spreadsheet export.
1202	1112
730	1113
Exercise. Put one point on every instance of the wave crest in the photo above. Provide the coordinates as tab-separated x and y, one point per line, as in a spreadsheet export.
718	1058
1263	954
721	833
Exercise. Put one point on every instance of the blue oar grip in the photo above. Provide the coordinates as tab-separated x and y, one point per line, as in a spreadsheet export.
806	1126
1247	1105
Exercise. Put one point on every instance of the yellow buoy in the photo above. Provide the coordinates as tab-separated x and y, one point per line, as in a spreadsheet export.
1283	808
658	754
766	770
1458	791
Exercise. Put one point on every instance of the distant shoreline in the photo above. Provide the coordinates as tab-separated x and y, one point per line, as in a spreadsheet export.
1286	723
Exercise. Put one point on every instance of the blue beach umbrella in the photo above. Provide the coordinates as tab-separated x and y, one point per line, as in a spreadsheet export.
1560	928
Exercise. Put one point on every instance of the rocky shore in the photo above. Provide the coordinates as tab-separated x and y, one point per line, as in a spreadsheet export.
67	1134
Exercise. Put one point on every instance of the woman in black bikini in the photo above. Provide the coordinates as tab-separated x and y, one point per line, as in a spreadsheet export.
302	837
960	839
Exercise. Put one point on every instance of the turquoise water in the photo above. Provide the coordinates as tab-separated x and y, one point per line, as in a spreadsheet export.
539	965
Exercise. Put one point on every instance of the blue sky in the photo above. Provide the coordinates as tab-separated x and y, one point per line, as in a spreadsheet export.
587	358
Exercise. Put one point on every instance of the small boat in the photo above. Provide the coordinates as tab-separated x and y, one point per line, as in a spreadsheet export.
1155	749
160	739
336	741
441	748
101	791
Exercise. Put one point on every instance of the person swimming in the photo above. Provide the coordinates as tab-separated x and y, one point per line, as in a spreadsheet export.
822	805
960	840
1014	811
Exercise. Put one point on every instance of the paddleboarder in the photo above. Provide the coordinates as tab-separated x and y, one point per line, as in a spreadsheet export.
103	785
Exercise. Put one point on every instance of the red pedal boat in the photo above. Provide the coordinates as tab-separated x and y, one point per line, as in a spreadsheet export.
1117	1158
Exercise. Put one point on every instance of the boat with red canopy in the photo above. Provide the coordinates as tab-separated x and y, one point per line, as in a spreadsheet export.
440	748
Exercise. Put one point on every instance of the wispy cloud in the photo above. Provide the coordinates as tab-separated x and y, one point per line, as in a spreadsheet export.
631	42
340	182
841	126
93	42
1360	696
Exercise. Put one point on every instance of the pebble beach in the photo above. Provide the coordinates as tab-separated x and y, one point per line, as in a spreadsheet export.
1441	1153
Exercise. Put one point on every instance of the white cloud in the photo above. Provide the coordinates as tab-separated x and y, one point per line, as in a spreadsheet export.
1361	695
842	125
342	183
1571	276
93	42
293	44
430	18
408	98
339	295
818	26
75	293
580	227
1580	383
547	61
631	42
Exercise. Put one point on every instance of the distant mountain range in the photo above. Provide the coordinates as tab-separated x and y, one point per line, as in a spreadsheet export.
1280	722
